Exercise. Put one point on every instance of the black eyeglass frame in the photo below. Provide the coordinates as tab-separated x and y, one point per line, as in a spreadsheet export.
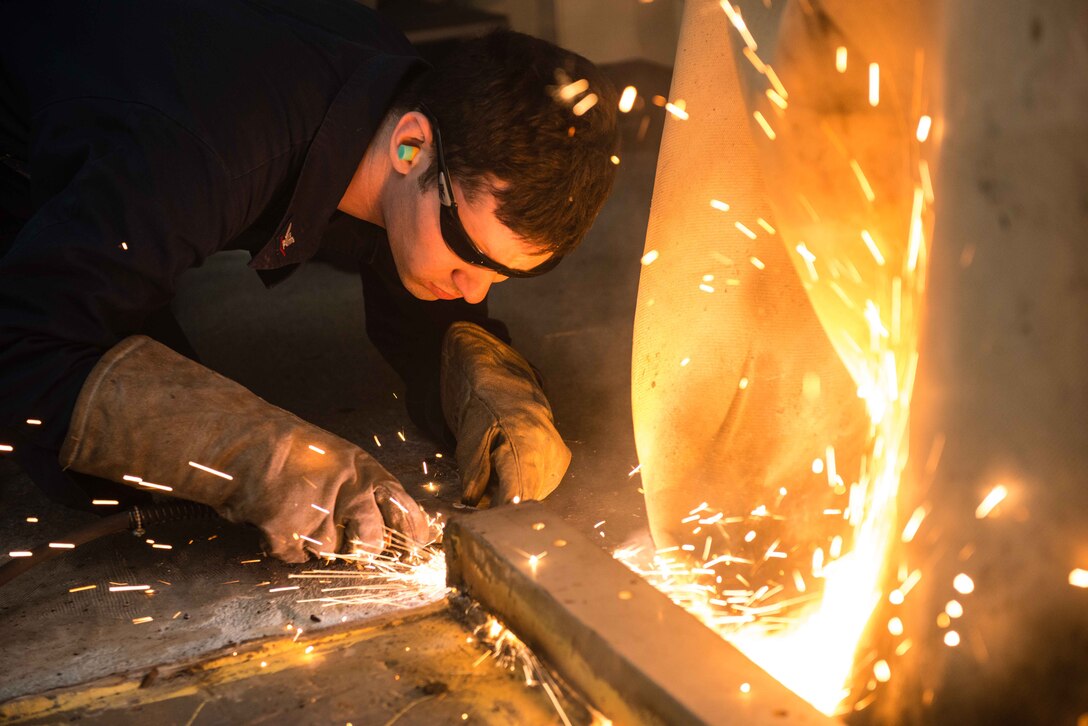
453	232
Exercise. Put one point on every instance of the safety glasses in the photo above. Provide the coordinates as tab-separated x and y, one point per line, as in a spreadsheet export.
453	232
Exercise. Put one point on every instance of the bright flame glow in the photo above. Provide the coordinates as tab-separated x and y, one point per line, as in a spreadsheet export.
805	633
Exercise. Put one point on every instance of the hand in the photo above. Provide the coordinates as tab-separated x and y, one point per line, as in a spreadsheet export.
149	413
506	436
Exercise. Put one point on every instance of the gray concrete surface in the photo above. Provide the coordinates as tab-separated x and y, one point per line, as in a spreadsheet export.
302	347
418	669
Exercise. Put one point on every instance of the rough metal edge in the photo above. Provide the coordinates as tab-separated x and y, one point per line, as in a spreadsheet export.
637	657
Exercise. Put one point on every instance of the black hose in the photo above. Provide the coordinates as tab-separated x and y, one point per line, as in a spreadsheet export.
134	520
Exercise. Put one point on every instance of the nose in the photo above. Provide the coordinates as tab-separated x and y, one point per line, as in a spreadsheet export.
474	282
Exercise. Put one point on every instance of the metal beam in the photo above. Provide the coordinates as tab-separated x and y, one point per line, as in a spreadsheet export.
637	657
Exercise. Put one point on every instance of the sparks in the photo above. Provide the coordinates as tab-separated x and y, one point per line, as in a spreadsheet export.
82	588
129	588
840	59
62	545
963	584
924	125
995	497
873	249
571	91
927	180
210	470
316	449
757	263
866	189
105	502
719	205
677	110
627	99
754	59
744	230
776	99
914	246
913	524
765	225
810	259
764	125
34	422
1078	577
733	13
874	84
773	78
649	257
588	102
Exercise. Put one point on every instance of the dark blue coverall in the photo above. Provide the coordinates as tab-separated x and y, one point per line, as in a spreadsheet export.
137	138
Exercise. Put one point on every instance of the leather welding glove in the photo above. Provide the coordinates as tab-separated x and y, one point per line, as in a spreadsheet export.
147	413
494	404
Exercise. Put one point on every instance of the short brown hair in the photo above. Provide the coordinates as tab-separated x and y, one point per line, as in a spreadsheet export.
498	104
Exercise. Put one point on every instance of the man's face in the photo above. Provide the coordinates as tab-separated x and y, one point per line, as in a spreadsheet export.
428	268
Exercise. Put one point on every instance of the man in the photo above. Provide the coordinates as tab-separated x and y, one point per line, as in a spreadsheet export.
138	138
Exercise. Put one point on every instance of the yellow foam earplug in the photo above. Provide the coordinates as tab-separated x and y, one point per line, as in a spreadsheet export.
406	152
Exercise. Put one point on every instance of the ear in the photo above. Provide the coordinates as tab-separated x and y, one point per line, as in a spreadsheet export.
412	130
